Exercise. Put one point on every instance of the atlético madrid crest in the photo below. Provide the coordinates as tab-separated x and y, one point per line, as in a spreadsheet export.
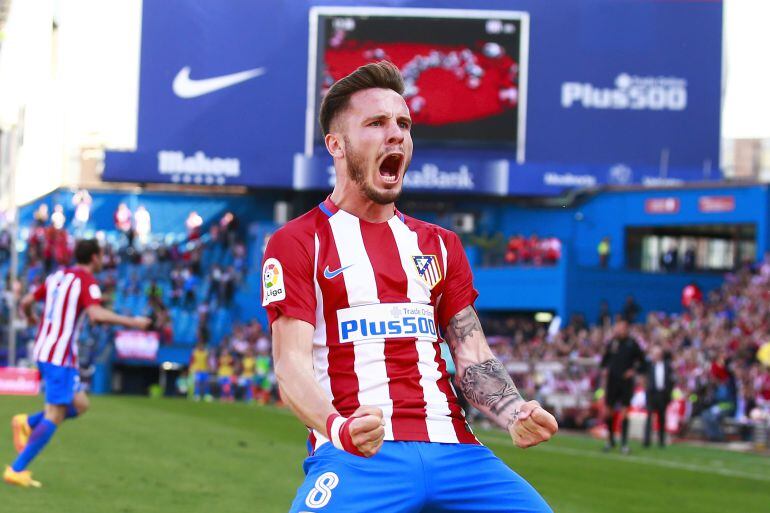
428	269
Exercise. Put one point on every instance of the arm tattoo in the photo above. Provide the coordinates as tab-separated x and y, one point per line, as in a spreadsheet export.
462	325
488	386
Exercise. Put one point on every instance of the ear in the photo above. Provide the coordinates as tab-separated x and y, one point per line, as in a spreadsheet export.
335	145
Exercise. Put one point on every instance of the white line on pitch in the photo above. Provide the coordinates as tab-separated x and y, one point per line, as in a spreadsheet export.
637	459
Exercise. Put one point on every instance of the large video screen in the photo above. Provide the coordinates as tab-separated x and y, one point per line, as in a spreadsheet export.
465	71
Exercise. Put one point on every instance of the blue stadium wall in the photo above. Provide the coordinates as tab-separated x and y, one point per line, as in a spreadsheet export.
577	284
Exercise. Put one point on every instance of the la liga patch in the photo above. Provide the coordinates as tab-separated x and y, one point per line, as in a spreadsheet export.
273	288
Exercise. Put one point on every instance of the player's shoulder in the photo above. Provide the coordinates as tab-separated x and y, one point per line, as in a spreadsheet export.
420	226
301	227
295	236
56	275
84	275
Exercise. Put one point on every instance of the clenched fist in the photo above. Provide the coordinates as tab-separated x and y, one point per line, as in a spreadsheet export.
532	425
367	430
361	434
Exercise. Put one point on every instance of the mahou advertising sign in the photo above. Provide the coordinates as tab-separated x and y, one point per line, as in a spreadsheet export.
17	381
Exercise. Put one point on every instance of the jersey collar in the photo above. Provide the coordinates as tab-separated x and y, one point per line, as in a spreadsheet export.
328	207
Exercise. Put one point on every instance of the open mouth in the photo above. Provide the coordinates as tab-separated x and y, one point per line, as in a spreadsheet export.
390	167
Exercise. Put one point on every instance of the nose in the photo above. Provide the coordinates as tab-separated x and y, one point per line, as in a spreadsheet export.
395	135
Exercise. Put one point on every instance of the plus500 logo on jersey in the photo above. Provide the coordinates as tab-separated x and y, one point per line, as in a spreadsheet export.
387	320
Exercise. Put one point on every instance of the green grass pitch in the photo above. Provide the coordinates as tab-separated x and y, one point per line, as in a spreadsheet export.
141	455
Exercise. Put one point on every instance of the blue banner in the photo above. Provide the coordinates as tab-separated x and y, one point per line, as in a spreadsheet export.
501	177
599	91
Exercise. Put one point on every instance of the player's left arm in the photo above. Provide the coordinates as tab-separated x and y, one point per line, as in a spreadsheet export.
487	385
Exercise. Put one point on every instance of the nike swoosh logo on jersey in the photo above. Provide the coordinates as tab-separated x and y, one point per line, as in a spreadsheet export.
333	274
185	87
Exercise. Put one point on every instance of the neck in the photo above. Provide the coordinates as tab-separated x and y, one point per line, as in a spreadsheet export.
349	197
84	267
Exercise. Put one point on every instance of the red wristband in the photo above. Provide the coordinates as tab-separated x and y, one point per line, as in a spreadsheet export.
338	432
329	421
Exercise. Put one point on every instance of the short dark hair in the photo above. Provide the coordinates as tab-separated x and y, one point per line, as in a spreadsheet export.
85	249
376	75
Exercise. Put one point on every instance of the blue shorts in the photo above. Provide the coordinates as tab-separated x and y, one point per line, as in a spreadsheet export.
412	477
60	383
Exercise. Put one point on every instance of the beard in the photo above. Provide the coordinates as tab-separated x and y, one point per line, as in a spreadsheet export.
356	165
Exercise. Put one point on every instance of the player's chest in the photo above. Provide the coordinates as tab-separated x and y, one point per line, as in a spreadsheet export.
351	275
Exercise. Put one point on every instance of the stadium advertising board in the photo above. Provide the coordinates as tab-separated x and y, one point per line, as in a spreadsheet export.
662	205
508	97
137	345
19	381
716	204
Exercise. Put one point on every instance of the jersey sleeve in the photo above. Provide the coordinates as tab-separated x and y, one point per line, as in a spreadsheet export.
90	293
288	288
40	292
458	287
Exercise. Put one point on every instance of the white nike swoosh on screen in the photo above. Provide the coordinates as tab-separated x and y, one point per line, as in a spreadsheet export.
185	87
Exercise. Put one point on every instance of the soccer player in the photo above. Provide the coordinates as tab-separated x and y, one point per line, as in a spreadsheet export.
359	297
68	293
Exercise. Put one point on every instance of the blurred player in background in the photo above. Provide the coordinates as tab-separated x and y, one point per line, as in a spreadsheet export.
622	360
355	291
68	294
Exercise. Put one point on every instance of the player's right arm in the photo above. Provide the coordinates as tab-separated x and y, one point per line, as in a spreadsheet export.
289	296
29	299
292	354
25	305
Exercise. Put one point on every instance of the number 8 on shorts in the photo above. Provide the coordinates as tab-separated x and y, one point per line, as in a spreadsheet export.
320	495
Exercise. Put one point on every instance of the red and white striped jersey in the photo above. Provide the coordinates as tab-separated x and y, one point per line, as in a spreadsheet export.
67	293
375	293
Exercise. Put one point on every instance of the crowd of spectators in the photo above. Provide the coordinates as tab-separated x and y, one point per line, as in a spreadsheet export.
532	250
712	345
143	270
239	367
5	244
518	249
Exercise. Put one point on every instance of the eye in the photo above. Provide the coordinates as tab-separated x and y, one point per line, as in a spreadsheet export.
405	125
376	123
